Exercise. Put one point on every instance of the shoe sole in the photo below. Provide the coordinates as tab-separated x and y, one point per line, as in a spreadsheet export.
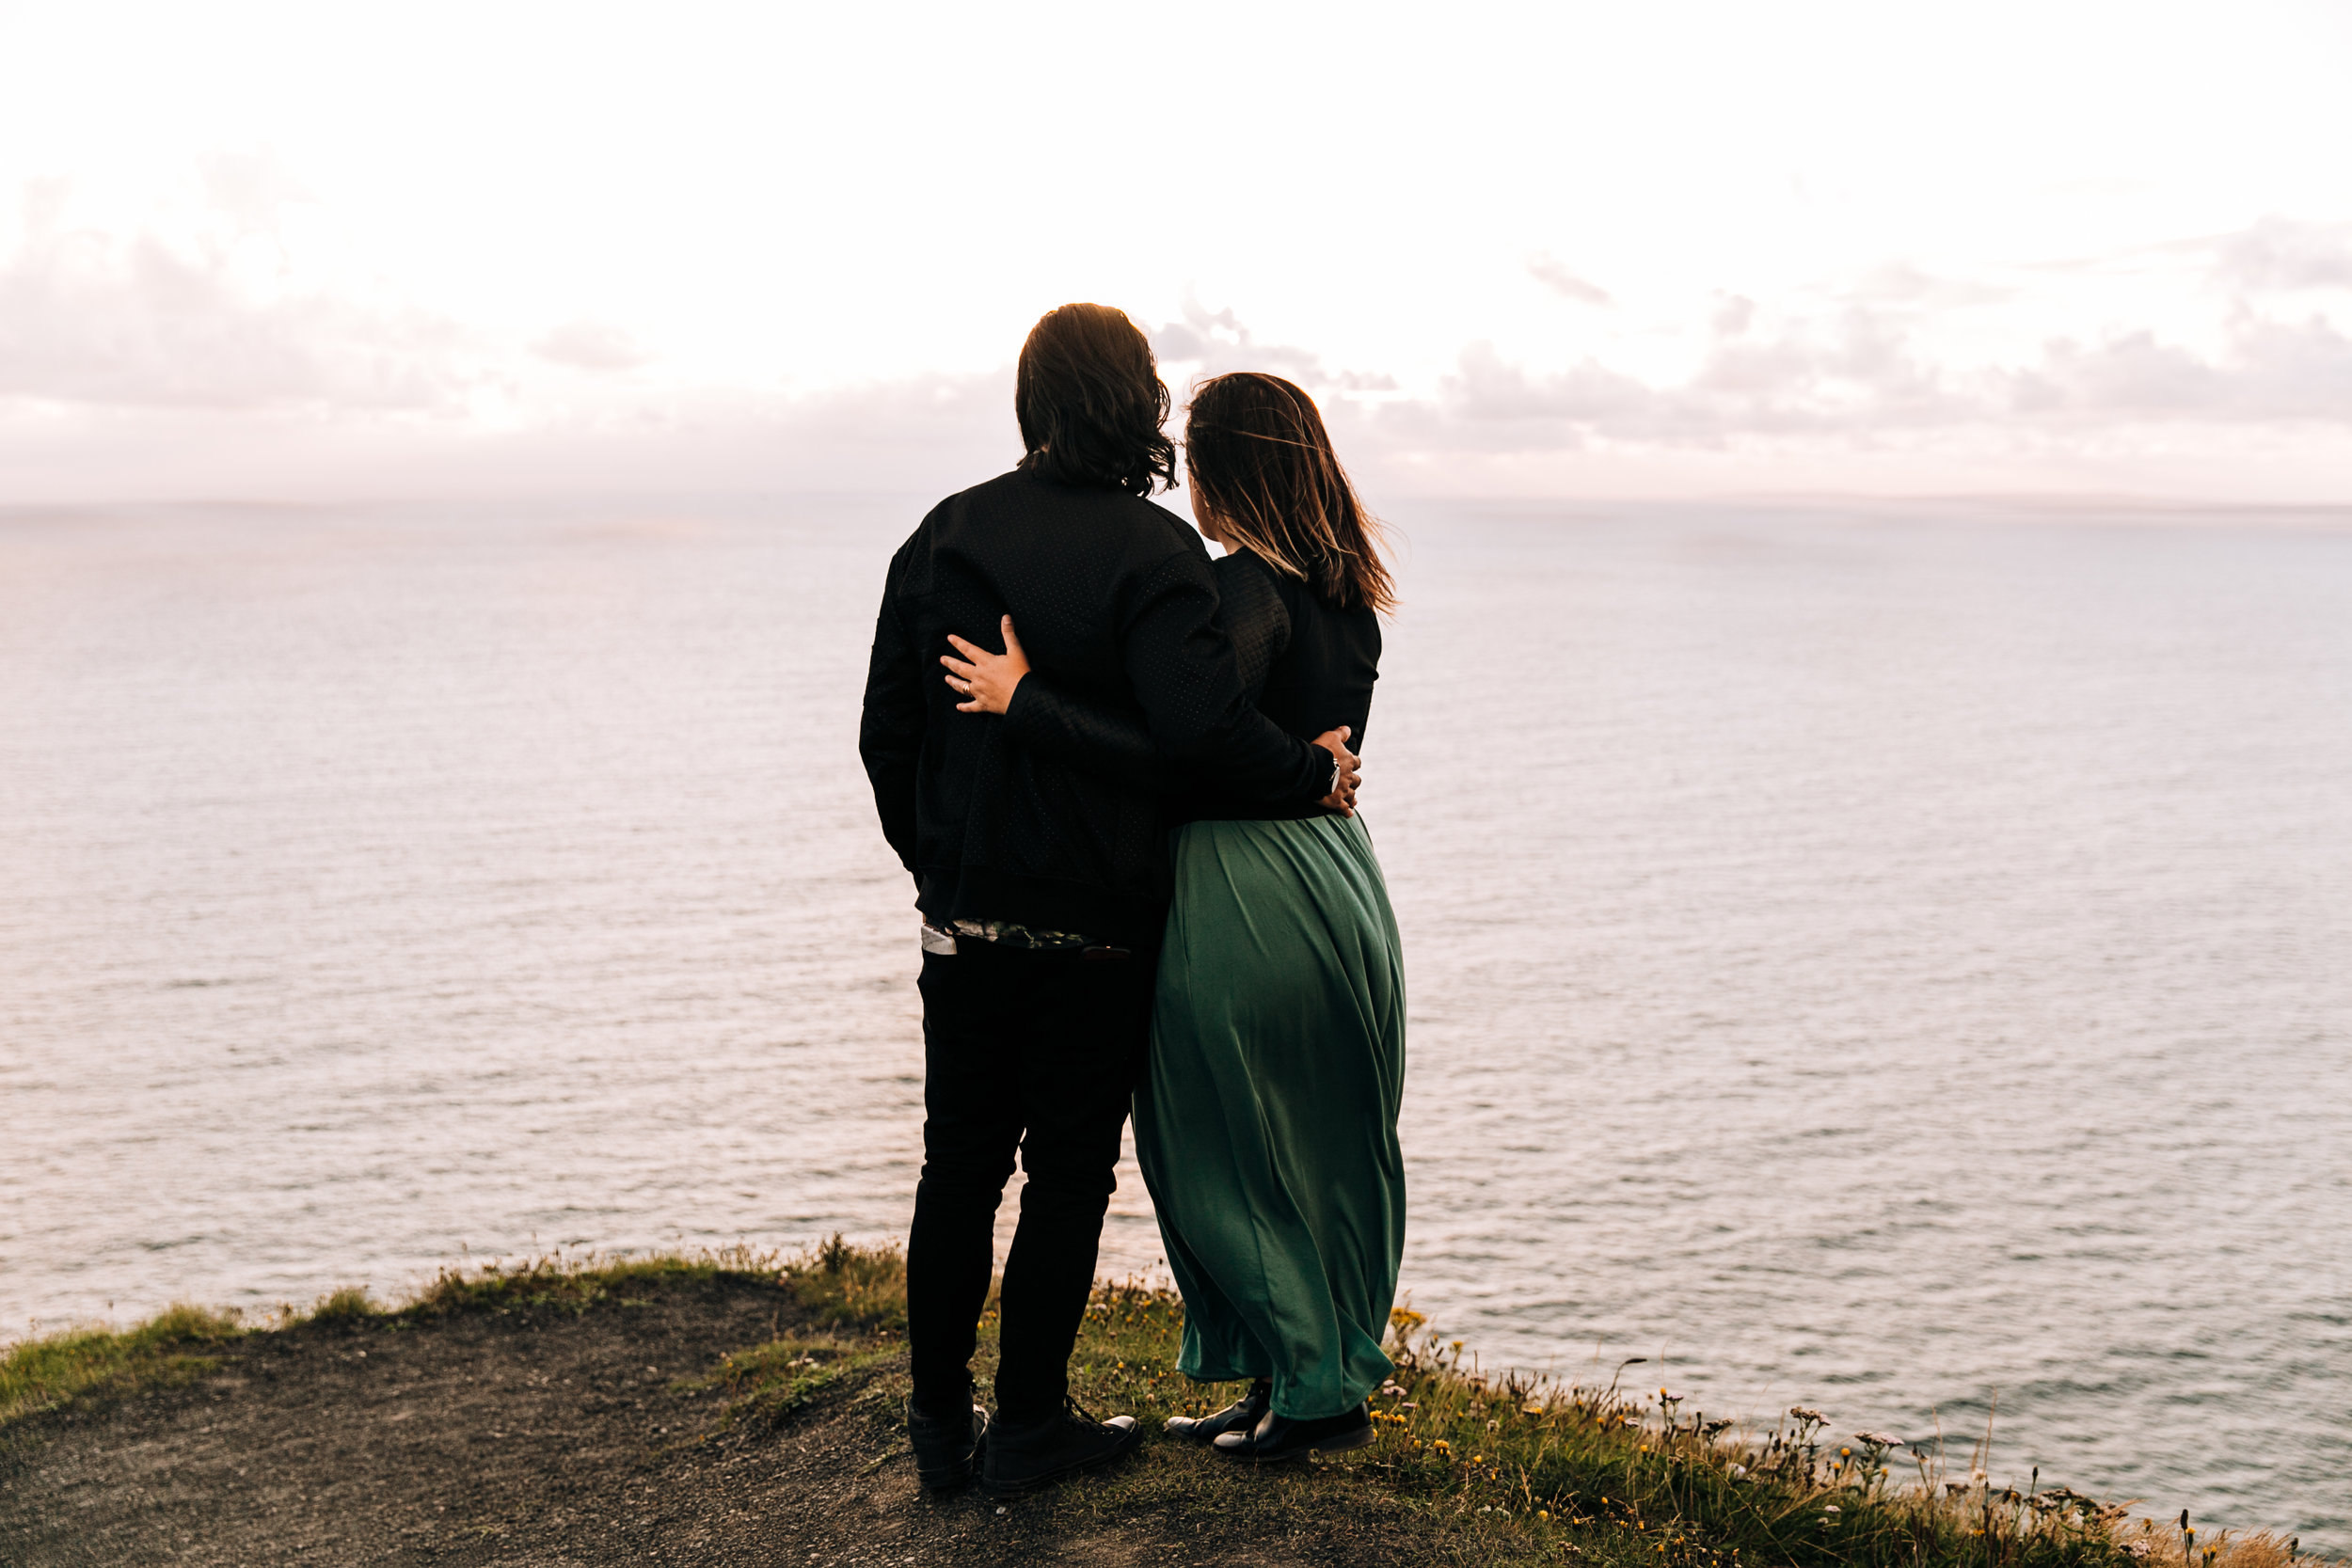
1194	1435
994	1491
1345	1443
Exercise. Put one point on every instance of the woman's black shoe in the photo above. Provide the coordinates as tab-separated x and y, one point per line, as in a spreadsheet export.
1238	1416
1275	1439
944	1449
1022	1459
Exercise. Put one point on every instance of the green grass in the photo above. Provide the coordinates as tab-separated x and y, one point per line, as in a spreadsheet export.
570	1282
852	1286
1465	1467
41	1374
1497	1470
1507	1469
775	1380
859	1291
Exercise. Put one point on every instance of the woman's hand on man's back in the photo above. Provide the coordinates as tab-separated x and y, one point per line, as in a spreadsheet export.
987	681
984	679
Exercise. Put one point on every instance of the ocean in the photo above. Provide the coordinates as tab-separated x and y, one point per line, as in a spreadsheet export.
1887	957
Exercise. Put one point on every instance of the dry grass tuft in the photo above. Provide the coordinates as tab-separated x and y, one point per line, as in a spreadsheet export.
350	1303
852	1286
576	1281
41	1374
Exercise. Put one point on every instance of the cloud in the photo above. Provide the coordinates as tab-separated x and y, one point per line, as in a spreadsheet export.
1903	284
203	357
588	344
2268	372
1553	273
1856	367
251	190
2280	253
1846	371
211	319
196	354
928	434
1216	342
1509	406
1854	377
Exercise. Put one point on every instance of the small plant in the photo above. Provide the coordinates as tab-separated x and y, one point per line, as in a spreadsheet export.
852	1286
576	1281
349	1305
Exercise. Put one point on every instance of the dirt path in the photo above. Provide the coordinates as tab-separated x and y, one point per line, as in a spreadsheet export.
522	1436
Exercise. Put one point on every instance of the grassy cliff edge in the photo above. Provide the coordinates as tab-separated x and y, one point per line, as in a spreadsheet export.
1468	1467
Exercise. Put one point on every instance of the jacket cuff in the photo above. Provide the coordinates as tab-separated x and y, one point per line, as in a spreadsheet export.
1322	777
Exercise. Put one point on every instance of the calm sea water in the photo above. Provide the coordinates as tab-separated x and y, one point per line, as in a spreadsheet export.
1861	957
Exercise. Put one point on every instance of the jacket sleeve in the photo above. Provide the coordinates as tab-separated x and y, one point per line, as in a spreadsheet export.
1116	742
1185	673
890	732
1086	733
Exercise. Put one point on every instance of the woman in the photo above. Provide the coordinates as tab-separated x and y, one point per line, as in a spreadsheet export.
1266	1125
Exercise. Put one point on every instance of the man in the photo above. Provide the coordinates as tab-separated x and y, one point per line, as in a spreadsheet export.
1043	887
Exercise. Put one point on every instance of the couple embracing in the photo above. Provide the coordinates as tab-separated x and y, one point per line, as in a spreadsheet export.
1121	774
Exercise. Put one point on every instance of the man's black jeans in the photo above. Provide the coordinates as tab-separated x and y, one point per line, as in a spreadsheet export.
1038	1051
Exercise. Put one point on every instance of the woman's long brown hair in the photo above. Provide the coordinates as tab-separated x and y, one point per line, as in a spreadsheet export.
1258	457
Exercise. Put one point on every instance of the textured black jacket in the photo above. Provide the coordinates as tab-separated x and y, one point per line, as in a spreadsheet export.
1307	665
1114	598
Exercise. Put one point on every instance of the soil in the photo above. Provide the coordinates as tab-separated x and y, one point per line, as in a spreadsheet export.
535	1436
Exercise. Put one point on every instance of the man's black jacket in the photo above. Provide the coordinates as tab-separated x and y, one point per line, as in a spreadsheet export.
1111	595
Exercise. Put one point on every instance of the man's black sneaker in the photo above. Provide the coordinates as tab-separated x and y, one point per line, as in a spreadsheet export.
1277	1438
1022	1459
1240	1415
944	1448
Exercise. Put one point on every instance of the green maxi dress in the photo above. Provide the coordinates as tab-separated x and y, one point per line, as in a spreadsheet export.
1266	1125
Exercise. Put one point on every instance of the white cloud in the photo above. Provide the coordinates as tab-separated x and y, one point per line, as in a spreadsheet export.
1213	342
2270	371
923	434
588	344
1206	343
212	318
1854	382
2279	253
217	345
1553	273
1882	359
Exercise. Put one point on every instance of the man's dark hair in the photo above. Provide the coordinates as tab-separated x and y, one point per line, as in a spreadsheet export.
1090	402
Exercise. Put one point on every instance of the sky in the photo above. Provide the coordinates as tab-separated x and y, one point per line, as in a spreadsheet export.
318	252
